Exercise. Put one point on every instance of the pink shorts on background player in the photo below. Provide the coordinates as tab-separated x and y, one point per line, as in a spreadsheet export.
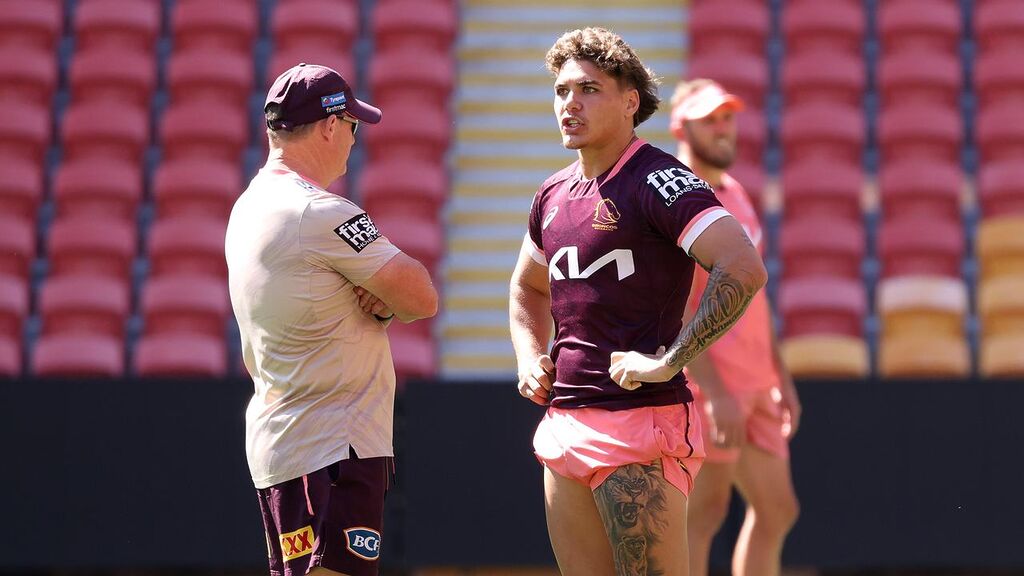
588	444
764	423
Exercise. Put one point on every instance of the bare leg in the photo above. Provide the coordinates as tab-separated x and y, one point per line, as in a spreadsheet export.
645	518
708	506
575	528
772	508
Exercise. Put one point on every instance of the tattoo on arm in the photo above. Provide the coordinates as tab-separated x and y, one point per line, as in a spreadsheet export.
633	508
721	305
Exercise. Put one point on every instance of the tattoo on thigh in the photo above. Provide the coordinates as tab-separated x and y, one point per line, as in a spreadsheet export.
633	507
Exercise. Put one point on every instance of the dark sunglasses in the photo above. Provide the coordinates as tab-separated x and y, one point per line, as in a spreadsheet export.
353	121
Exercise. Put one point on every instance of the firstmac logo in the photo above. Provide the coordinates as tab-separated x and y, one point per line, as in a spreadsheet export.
623	259
672	183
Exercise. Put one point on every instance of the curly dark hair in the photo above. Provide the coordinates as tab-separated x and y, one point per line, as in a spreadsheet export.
613	56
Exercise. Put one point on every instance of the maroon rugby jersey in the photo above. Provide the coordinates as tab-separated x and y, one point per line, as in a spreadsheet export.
616	251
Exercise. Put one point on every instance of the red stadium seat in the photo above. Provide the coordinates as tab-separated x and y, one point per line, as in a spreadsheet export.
729	25
420	237
1001	188
920	76
817	305
824	247
185	303
823	130
24	131
27	73
343	61
35	25
920	24
829	75
999	25
108	187
910	129
406	76
917	245
424	23
228	24
211	74
86	245
1000	132
85	304
96	129
403	187
178	355
413	354
196	186
815	189
204	129
112	74
410	132
751	176
78	355
17	246
10	356
129	25
751	134
921	186
326	23
745	75
999	76
21	190
188	245
813	25
13	307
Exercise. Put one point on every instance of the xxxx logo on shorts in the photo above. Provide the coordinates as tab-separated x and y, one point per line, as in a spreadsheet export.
297	544
363	542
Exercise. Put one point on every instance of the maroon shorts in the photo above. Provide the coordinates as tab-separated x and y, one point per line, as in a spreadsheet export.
331	518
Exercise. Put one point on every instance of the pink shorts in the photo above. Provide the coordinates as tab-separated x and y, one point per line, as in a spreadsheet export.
588	444
764	425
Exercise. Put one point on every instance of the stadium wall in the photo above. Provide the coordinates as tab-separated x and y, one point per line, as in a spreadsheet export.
151	474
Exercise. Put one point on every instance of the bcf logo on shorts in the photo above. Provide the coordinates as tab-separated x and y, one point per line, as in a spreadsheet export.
297	544
363	542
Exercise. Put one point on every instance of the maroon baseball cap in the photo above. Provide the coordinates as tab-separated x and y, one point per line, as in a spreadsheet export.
308	92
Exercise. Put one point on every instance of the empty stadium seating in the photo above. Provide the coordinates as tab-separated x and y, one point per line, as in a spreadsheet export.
14	308
27	73
922	327
826	356
196	186
85	304
932	25
180	355
87	245
998	25
1000	246
110	187
33	25
404	76
17	246
829	75
1000	132
814	188
822	305
188	245
909	129
24	131
113	74
185	303
204	129
78	355
812	25
920	76
1001	188
918	244
214	74
21	190
921	186
745	75
823	130
822	246
227	24
128	25
426	23
400	187
998	76
729	25
88	130
331	24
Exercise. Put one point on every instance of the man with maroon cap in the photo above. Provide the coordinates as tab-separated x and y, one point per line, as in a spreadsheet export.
313	285
740	384
611	246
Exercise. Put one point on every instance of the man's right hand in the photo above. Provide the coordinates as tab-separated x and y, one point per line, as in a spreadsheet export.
722	413
536	381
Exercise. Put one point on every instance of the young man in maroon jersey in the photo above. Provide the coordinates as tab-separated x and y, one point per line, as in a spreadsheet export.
742	389
612	243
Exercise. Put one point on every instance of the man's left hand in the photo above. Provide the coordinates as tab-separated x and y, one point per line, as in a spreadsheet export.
789	400
631	369
370	303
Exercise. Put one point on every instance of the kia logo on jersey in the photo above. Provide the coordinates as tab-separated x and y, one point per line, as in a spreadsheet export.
623	259
363	542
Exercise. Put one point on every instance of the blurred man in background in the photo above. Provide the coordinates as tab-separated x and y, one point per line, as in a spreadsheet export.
741	387
313	285
611	247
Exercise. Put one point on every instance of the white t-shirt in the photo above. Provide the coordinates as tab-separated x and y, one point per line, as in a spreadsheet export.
322	369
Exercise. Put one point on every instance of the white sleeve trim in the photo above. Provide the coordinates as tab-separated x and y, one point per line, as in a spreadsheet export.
535	252
700	226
